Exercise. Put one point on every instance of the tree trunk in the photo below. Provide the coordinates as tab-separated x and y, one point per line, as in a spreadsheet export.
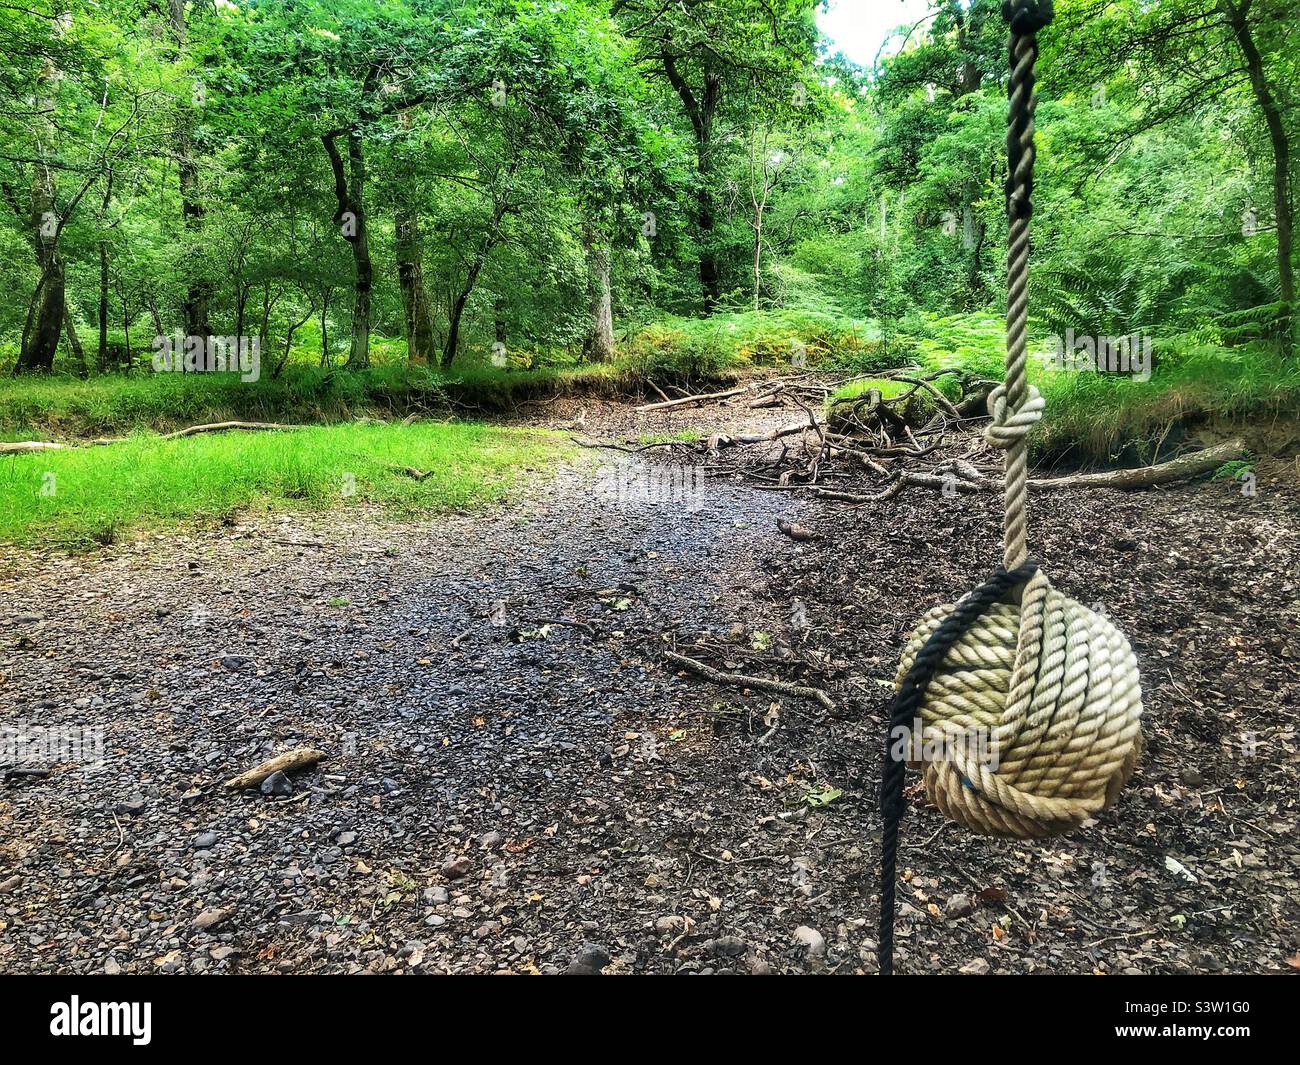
458	309
417	313
710	280
349	192
325	325
700	110
41	339
1281	158
74	341
194	306
101	355
499	320
599	343
241	308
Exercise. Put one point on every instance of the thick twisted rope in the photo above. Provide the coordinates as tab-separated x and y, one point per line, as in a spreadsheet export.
1022	706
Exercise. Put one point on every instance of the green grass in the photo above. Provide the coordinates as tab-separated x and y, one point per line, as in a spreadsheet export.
93	494
1193	380
683	436
1196	377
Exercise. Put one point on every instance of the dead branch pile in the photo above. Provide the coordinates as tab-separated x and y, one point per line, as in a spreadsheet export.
917	435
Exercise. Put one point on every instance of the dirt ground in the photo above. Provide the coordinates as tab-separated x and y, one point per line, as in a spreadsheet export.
515	782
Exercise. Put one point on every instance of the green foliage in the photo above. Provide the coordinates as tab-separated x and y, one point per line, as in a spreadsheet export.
706	349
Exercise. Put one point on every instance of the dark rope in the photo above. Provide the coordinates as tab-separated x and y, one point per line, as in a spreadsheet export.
1026	18
907	708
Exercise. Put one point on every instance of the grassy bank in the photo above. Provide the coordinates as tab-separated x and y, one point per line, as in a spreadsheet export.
67	407
93	494
1195	376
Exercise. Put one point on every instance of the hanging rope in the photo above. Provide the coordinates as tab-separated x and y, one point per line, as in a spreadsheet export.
1025	703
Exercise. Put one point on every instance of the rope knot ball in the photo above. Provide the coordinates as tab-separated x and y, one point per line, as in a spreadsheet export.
1033	707
1027	703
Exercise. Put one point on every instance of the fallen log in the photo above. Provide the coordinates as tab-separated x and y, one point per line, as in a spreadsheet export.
722	440
27	447
221	427
738	680
965	478
288	762
1179	469
703	397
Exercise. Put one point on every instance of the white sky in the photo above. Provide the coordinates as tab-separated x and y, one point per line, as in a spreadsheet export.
857	27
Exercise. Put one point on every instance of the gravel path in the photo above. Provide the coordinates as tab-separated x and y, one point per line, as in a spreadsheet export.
514	783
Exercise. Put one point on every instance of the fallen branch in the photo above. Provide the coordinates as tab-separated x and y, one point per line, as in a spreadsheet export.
722	440
965	478
26	447
221	427
288	762
738	680
412	472
703	397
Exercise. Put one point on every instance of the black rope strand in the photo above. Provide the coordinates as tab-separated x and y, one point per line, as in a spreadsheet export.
1026	18
907	708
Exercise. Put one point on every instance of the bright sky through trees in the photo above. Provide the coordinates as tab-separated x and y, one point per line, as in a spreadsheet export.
858	27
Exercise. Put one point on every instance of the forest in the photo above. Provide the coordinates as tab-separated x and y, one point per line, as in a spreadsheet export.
489	454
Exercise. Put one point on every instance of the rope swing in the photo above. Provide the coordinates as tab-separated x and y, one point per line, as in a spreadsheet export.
1052	685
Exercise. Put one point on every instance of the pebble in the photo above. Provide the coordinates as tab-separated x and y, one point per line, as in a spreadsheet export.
959	906
491	841
277	784
134	805
811	940
589	961
205	840
729	946
208	919
455	868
